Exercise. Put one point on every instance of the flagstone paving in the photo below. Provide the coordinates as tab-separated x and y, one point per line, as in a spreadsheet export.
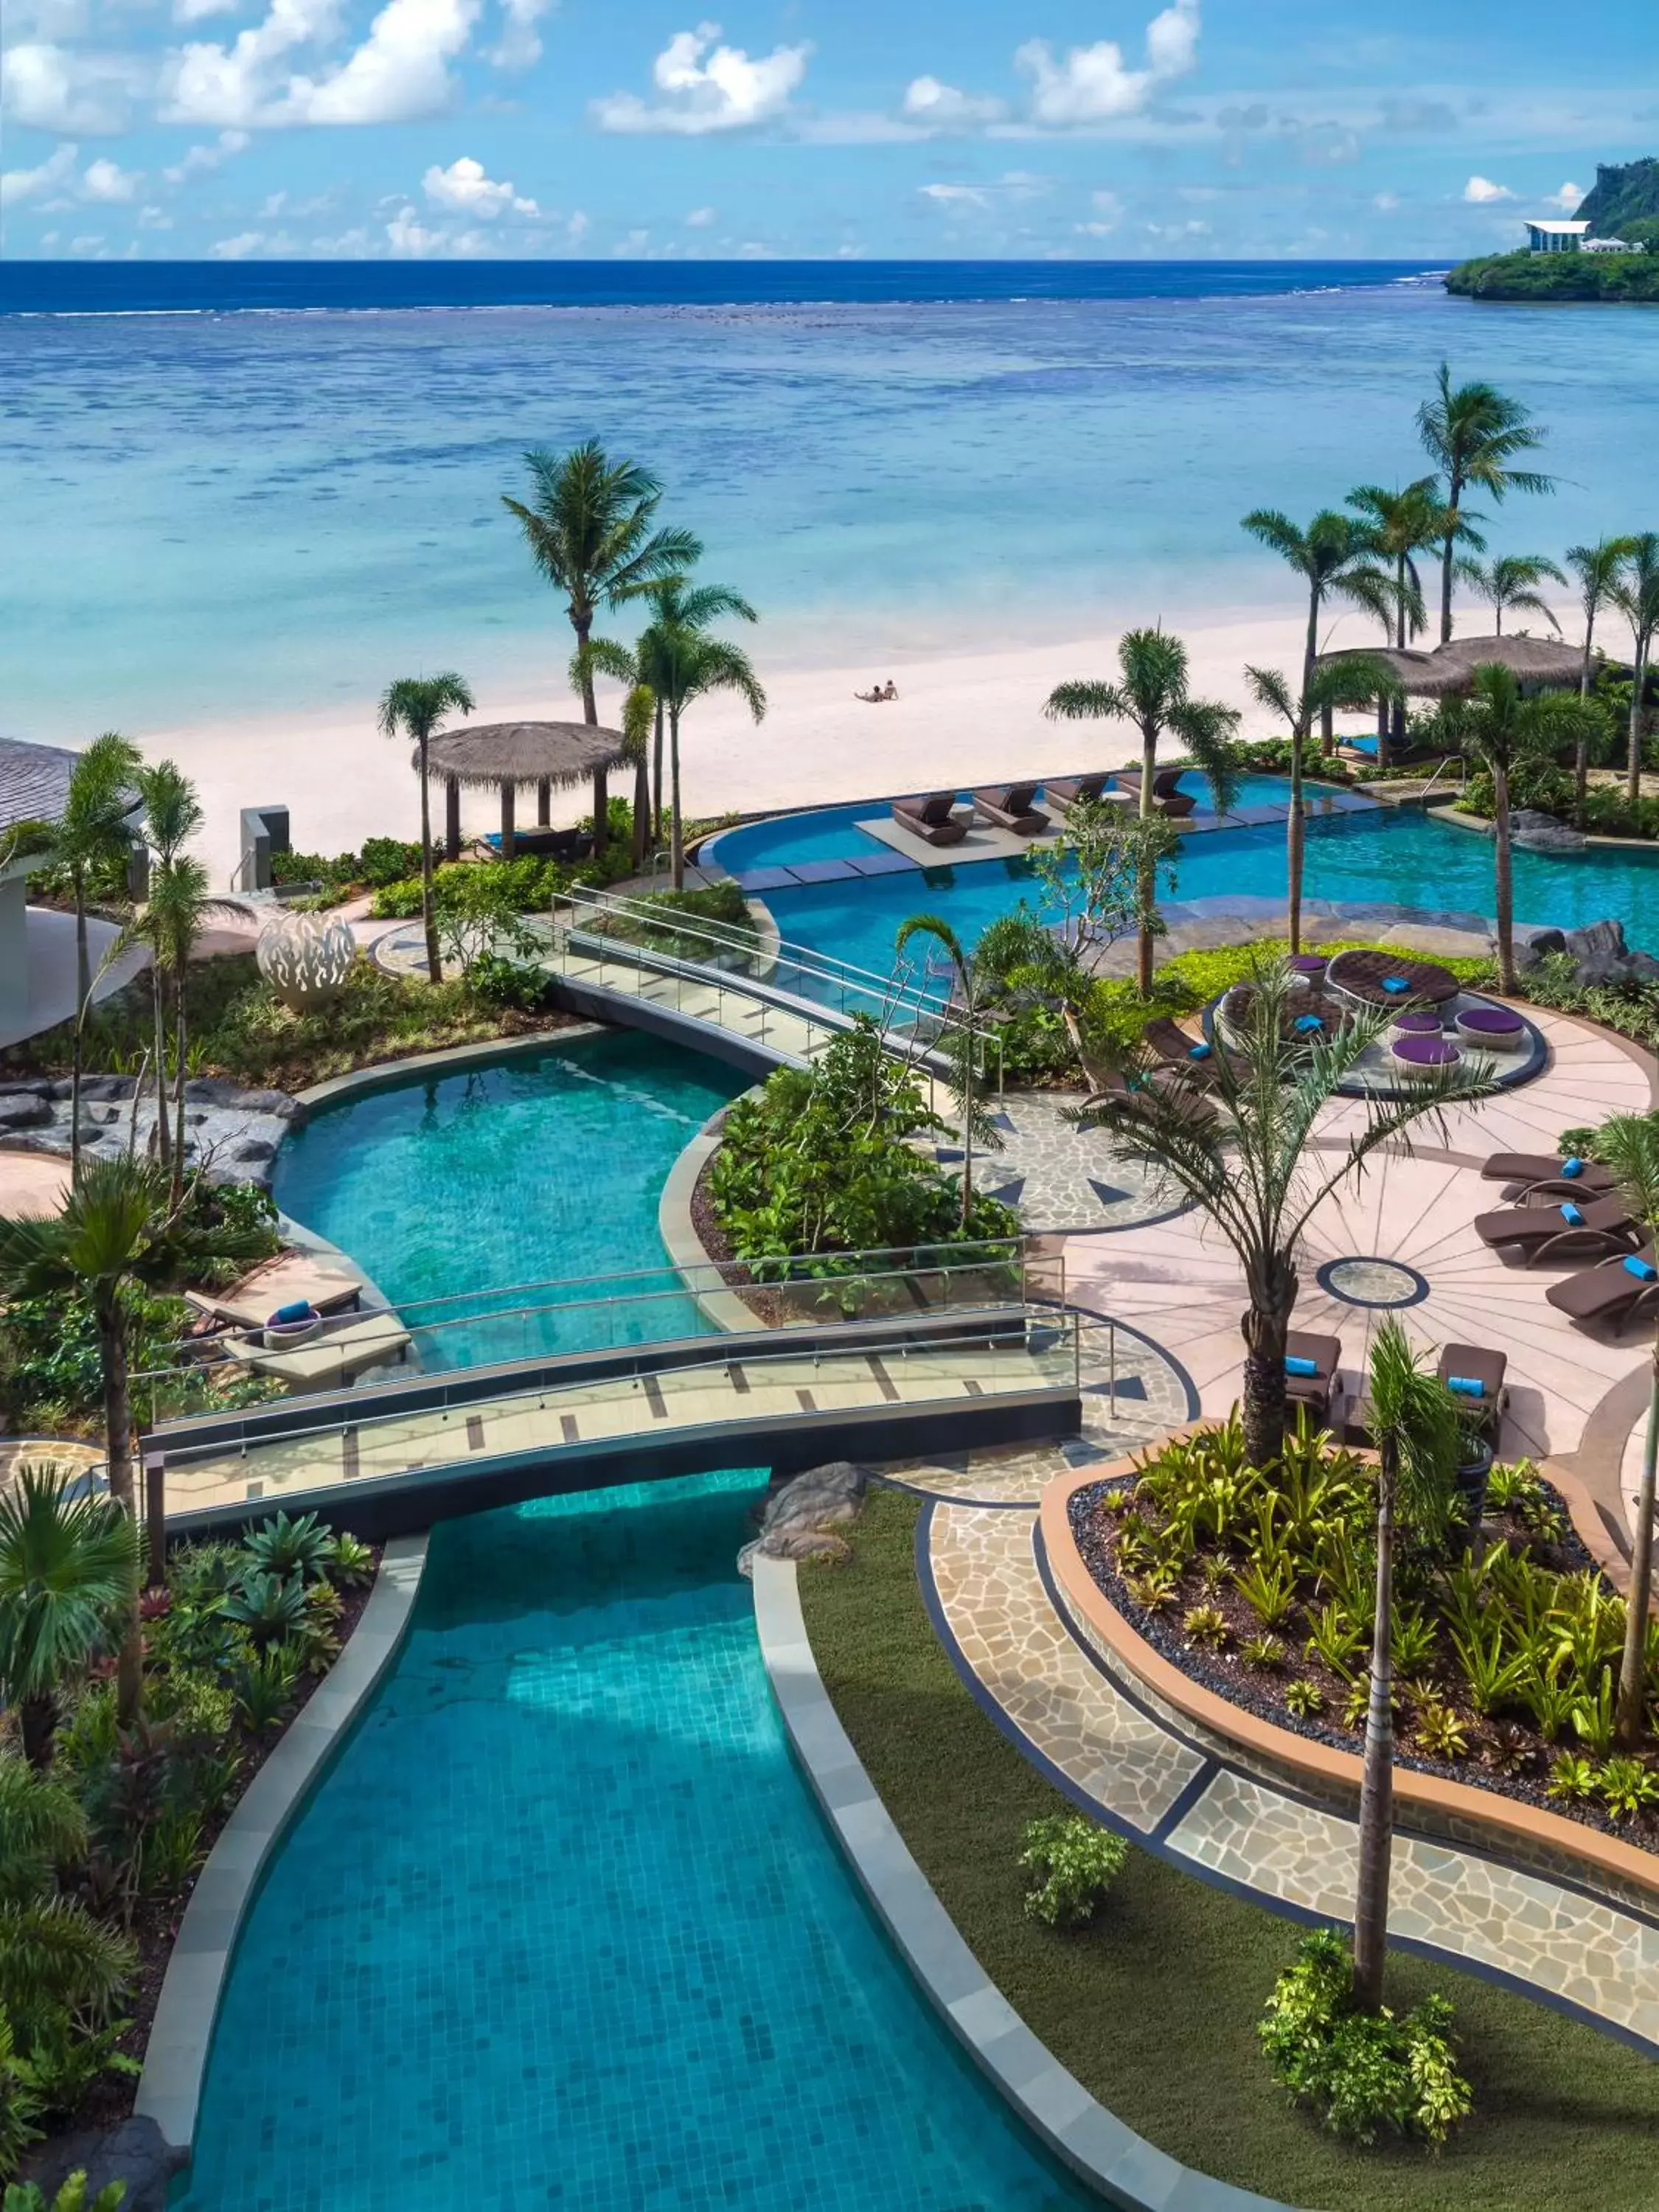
1116	1756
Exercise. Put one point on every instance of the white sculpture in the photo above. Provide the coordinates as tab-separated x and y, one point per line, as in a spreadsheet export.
305	958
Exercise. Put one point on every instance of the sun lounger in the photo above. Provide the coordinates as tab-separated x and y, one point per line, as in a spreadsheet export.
338	1352
1470	1363
1545	1235
1377	976
1610	1296
1314	1391
1069	790
1526	1171
1009	806
292	1278
931	818
1168	798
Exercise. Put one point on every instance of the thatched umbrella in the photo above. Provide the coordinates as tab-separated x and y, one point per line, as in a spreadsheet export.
1539	664
507	754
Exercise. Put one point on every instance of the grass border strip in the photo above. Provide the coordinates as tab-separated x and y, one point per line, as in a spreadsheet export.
175	2058
1129	2170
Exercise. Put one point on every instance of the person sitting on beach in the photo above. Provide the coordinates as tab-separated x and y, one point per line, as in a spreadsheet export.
891	692
873	697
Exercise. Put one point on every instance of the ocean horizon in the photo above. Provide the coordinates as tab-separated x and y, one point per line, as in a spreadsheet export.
238	489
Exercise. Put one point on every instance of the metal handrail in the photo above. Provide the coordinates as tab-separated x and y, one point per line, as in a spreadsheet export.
1423	796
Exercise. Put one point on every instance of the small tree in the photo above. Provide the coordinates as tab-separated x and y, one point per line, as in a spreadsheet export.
1596	568
1629	1144
67	1564
1473	433
964	1044
1413	1422
1152	693
1511	581
1636	595
415	704
1335	557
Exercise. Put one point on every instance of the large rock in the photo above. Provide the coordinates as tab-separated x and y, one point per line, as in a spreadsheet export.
136	2152
22	1110
219	1091
801	1515
1542	833
1597	940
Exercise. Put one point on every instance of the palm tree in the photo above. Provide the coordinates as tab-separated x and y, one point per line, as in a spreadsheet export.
964	1041
1237	1142
1400	524
1512	580
118	1228
66	1565
639	710
1636	595
682	662
1152	693
1472	432
1350	682
588	526
1596	568
1502	728
1334	556
178	910
173	816
415	705
54	1957
1413	1421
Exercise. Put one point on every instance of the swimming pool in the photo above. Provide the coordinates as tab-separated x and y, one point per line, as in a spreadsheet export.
1385	856
540	1167
563	1928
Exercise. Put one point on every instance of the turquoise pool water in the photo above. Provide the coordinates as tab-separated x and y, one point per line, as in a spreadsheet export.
1389	856
542	1167
562	1927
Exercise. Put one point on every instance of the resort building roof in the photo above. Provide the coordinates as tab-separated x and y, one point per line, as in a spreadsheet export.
557	753
1542	664
34	782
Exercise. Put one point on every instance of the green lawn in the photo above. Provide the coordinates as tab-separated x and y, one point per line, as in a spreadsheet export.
1155	2008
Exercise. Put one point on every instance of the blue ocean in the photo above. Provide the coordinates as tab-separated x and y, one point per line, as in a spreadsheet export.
253	487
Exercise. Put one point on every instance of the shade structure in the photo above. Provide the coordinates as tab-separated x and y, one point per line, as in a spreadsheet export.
1537	663
508	754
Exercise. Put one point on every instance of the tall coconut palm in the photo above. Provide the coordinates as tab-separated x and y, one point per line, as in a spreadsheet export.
639	712
1152	692
1636	595
1401	524
118	1228
1502	728
1413	1421
681	661
1596	567
588	526
1337	684
1511	581
179	910
67	1564
964	1041
1473	433
414	706
171	816
1335	557
1238	1141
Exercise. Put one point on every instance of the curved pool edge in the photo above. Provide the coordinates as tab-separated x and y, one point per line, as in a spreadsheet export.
688	1255
181	2034
381	1074
1128	2171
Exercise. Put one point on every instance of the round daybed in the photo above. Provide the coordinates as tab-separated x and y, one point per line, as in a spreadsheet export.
1371	975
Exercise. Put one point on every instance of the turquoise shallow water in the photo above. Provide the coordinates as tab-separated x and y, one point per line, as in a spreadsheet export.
563	1929
545	1166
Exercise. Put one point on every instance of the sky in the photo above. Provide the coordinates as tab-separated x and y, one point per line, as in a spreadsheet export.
1098	128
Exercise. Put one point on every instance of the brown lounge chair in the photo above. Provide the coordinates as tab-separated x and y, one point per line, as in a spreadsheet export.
1068	790
1546	1238
1364	973
1470	1363
1538	1172
1168	798
1184	1081
1608	1295
1009	806
931	818
1313	1391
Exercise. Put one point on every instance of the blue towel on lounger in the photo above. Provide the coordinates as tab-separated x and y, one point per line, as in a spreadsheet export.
1571	1215
1572	1169
1466	1386
1644	1270
1294	1366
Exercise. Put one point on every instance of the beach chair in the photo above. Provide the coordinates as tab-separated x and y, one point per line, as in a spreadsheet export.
1482	1409
1168	798
931	818
1547	1234
1313	1392
1611	1295
1008	806
1543	1174
1067	791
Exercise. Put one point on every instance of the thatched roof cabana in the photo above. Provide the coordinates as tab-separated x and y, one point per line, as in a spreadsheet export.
1539	664
508	754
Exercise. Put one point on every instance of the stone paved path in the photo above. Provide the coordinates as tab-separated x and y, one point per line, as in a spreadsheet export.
1044	1685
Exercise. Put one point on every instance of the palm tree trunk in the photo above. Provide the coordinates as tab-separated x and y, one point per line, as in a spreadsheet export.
434	968
1370	1915
82	992
1503	868
1295	826
118	1458
582	625
642	808
1581	753
1399	601
656	782
37	1720
1448	555
1146	884
1633	774
177	1184
163	1133
677	827
1640	1600
1264	1329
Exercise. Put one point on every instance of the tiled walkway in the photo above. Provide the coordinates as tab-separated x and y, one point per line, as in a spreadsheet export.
1047	1690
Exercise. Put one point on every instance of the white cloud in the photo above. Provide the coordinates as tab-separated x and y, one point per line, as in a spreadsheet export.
1176	231
50	87
700	218
727	91
463	187
398	74
154	218
404	234
1566	199
956	195
1093	84
577	226
88	242
103	181
941	108
519	44
193	11
55	175
242	247
1107	212
1385	203
1480	191
199	161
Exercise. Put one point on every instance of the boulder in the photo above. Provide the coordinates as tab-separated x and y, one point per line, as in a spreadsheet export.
26	1086
800	1515
23	1110
1598	940
1541	833
135	2152
218	1091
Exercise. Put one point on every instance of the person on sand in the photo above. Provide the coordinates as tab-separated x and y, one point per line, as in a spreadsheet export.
891	692
873	697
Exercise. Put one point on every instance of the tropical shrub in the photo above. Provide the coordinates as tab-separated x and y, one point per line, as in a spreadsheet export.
1073	1865
282	1546
1362	2072
71	2196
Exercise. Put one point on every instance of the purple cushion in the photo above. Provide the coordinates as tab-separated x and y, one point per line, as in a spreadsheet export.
1426	1051
1417	1025
1309	963
1495	1021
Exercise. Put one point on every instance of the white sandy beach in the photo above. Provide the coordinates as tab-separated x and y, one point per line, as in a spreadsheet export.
960	719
